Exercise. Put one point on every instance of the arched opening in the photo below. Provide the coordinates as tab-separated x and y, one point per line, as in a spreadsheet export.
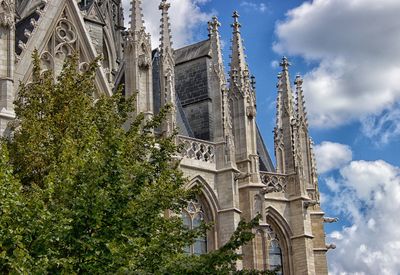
279	248
209	205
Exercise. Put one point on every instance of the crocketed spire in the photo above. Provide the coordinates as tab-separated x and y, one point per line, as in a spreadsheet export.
213	28
284	142
166	38
300	102
239	68
136	15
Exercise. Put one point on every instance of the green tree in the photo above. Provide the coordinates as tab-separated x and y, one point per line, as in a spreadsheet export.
81	194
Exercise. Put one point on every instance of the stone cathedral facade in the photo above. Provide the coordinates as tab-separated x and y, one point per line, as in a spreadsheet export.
223	151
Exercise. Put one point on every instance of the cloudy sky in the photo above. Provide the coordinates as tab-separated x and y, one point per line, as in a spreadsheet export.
349	54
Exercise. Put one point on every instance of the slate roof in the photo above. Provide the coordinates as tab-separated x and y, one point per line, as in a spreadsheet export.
262	151
191	52
182	121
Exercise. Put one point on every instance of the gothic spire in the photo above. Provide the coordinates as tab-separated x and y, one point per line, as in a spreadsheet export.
287	96
300	102
213	28
167	70
239	68
279	103
284	142
166	41
136	15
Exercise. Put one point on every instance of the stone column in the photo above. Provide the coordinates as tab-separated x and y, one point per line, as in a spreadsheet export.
7	42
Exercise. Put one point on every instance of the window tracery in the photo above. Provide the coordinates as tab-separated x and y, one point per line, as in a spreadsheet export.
274	253
192	217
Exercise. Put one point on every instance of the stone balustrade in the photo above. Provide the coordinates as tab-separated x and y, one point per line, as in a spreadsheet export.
197	149
274	182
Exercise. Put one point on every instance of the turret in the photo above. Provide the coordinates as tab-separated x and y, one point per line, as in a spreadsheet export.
7	44
243	107
167	70
138	67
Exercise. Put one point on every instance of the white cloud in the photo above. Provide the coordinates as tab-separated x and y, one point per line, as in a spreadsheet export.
261	7
354	45
382	128
331	156
369	196
186	16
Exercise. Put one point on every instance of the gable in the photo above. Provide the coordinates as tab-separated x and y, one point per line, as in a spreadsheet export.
58	33
94	14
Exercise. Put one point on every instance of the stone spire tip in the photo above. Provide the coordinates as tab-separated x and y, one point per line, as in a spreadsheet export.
298	81
284	63
236	25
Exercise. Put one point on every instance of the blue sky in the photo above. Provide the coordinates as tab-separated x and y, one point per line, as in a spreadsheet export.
348	52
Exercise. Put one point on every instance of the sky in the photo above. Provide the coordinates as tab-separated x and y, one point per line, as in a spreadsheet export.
348	52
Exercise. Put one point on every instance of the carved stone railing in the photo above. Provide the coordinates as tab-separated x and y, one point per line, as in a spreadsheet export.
197	149
274	182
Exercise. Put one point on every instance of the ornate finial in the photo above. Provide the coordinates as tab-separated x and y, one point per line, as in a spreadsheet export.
214	24
236	16
285	63
236	25
299	81
164	6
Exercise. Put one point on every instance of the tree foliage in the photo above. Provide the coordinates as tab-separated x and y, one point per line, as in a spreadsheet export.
80	193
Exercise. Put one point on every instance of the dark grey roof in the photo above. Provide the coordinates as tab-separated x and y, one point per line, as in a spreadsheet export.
182	121
191	52
265	159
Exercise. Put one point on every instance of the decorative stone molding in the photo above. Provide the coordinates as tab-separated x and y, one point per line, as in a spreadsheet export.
7	13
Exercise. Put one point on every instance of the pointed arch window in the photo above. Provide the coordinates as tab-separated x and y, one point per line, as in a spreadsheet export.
275	256
192	217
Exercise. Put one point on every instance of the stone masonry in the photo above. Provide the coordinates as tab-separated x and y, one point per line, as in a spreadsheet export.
223	151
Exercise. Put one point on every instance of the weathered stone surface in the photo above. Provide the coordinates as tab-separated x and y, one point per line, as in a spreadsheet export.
224	151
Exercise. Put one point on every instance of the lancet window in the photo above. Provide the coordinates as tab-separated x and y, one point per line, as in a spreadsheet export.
192	216
274	254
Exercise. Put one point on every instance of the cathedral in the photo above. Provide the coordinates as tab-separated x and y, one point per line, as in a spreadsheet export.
214	111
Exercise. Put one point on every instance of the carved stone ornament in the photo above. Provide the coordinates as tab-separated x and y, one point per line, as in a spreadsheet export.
7	13
251	112
330	220
143	62
66	37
